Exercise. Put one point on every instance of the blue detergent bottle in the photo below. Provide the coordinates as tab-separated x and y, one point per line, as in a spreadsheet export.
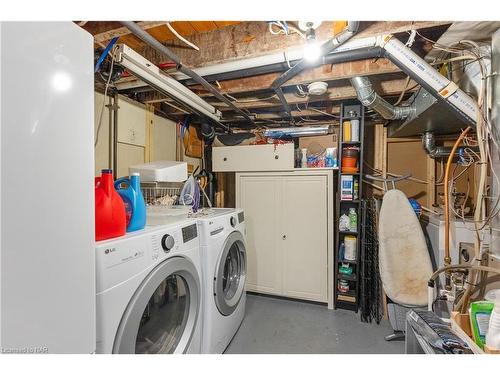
135	207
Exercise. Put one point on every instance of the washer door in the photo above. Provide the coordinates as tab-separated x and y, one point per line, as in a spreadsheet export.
162	315
230	274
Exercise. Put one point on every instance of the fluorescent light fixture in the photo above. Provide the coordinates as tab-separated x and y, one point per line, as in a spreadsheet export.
146	71
297	131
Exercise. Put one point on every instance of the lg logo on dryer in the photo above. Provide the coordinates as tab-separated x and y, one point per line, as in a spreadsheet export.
111	250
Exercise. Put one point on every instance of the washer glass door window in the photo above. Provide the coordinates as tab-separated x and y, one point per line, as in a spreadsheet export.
229	283
164	318
162	315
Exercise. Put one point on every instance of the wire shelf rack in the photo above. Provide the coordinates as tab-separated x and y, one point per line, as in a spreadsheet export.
161	193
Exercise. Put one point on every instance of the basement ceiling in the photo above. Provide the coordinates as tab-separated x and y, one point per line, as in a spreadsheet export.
222	41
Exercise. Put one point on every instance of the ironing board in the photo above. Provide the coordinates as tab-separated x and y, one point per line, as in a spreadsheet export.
404	261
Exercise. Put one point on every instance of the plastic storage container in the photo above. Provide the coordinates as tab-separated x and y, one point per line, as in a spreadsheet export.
161	171
350	160
346	130
355	130
493	335
160	215
110	219
135	207
350	248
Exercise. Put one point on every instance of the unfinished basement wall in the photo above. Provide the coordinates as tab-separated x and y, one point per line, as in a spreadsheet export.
406	155
142	136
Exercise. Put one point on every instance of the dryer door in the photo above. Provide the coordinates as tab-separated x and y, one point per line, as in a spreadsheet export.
162	315
230	274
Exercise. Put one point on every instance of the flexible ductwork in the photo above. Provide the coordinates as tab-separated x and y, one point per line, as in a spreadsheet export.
369	98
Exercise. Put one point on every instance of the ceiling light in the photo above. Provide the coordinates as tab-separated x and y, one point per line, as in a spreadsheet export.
312	51
146	71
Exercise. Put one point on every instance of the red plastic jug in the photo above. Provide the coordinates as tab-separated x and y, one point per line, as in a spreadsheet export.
110	218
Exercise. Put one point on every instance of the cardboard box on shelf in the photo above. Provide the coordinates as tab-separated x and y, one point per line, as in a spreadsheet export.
324	140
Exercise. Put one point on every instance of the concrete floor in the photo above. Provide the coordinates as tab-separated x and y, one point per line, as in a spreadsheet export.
279	326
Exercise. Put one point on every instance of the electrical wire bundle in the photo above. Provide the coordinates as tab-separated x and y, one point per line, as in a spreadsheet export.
371	306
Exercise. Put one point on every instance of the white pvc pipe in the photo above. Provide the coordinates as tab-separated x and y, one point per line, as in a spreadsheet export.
274	58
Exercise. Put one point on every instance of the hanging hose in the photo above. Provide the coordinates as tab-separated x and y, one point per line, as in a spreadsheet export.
447	258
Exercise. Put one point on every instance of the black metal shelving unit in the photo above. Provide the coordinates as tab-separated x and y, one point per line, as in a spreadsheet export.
349	300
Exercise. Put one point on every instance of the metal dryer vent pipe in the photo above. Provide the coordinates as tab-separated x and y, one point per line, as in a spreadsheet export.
437	152
150	40
369	98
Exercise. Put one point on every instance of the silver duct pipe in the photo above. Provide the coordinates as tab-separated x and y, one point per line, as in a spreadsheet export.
437	152
369	98
429	144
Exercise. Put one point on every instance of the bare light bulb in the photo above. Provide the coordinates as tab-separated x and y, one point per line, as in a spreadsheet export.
312	51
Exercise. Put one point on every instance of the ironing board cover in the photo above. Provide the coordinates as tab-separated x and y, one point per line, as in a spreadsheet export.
404	261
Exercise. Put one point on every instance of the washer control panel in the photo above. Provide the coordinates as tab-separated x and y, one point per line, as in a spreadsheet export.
164	243
167	242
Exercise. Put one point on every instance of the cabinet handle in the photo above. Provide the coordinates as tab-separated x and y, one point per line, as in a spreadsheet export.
225	159
284	237
276	157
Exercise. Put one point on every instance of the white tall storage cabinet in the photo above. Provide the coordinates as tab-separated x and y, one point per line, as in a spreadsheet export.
289	221
47	188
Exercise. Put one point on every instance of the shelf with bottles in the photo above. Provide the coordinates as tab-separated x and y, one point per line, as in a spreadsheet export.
346	290
349	187
348	261
316	158
349	202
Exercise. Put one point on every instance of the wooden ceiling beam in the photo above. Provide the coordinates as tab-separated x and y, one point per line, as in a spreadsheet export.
326	73
345	92
385	88
251	39
121	31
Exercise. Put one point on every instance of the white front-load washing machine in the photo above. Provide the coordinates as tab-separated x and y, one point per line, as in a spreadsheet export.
222	245
149	292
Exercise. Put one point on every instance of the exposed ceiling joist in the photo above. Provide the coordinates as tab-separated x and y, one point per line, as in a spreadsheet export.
121	31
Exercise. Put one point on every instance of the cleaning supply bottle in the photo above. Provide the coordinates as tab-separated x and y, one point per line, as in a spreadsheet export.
480	313
493	334
110	220
303	162
135	207
353	220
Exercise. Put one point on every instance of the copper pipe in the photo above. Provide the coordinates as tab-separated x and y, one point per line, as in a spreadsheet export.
447	258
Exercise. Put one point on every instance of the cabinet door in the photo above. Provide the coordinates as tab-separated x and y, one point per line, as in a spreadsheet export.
304	241
258	196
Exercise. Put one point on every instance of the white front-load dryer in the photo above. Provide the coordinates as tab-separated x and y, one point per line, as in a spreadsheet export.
149	291
222	244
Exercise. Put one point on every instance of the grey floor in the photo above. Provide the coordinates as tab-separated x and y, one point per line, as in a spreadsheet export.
280	326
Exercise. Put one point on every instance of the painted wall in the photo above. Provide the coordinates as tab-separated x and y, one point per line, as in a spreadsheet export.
135	143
